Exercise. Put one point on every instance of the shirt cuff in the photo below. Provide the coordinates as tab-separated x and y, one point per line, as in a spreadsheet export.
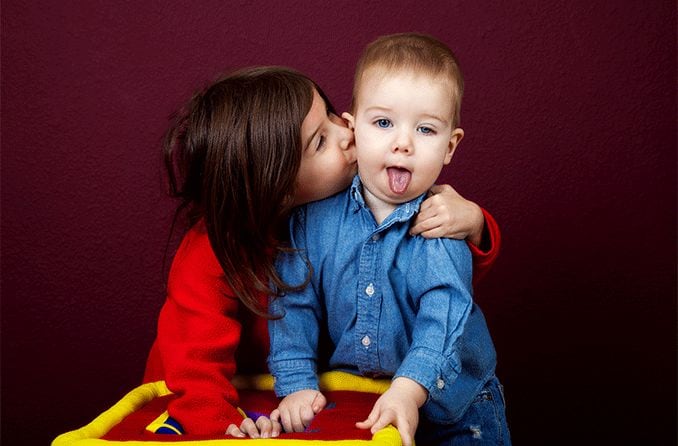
430	369
294	375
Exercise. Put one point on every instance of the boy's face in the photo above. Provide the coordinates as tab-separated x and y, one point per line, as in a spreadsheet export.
403	133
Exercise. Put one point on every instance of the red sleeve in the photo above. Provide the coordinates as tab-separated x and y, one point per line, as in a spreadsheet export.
485	255
198	333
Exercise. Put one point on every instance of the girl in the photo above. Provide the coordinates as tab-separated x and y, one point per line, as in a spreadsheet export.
239	157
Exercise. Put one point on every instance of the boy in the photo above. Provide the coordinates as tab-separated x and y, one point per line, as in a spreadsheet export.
396	305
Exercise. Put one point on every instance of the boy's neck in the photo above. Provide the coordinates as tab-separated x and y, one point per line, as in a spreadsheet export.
380	208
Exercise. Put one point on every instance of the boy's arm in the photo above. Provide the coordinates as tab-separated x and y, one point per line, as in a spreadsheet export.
440	281
294	335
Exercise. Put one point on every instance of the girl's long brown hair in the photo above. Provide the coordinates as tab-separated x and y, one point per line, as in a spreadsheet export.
232	155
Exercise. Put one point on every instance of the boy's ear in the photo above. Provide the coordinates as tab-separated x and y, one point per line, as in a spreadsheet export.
350	120
455	139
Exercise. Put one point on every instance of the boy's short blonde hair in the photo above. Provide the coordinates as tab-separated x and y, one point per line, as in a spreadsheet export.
416	53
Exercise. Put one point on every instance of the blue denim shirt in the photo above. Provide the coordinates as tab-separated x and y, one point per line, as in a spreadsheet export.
395	305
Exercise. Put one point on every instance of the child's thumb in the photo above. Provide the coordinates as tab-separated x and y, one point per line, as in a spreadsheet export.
319	402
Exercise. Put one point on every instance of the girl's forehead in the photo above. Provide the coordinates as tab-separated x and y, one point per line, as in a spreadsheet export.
314	119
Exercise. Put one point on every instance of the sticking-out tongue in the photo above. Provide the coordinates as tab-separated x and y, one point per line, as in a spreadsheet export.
398	179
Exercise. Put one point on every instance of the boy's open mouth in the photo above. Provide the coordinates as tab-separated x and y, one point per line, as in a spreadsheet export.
398	179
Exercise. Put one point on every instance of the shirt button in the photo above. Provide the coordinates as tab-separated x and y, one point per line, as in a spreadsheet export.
375	237
440	384
369	290
366	341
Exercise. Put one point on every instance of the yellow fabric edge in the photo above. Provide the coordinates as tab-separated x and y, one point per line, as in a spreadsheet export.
328	381
90	435
388	436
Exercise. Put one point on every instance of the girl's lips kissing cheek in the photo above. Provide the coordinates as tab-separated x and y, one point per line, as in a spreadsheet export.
398	179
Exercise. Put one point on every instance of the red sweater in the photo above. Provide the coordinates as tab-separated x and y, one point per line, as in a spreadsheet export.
205	336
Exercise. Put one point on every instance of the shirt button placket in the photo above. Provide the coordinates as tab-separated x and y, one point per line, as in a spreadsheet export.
370	290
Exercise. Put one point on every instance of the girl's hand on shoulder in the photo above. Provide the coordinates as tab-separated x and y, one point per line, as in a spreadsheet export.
445	213
297	410
262	428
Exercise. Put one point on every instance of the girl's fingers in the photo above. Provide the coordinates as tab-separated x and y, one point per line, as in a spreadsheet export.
276	428
249	428
234	431
438	188
424	225
434	233
267	427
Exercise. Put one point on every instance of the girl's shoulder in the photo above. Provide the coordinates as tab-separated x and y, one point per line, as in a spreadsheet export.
195	252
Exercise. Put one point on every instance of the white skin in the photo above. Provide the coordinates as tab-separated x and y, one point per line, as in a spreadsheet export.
328	165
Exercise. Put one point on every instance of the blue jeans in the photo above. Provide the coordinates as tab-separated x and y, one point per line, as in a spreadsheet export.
483	423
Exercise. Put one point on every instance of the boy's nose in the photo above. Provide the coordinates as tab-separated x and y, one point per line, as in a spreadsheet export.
403	143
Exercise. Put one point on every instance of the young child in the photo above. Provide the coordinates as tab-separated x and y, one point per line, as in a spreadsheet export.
239	156
396	305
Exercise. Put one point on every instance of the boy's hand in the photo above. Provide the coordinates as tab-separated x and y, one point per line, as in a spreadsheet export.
263	428
296	410
398	406
445	213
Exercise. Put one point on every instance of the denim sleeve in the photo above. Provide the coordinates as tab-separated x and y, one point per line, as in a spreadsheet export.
294	336
440	283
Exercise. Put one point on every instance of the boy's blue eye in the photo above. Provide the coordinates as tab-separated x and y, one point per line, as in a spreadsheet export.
383	123
426	130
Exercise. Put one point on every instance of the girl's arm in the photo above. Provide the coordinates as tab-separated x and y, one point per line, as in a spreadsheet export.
447	214
198	333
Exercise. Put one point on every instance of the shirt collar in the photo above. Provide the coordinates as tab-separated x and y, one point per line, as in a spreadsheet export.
403	212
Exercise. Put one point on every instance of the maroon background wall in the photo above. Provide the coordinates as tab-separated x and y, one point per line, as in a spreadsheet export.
570	117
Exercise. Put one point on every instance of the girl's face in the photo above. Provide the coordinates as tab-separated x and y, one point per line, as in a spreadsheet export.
328	161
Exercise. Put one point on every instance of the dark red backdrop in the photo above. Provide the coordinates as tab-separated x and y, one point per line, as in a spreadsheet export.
570	117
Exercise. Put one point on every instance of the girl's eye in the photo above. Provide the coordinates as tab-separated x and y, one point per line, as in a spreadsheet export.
426	130
321	143
383	123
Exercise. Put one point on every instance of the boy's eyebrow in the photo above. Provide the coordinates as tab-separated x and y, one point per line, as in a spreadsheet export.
377	108
426	115
437	118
